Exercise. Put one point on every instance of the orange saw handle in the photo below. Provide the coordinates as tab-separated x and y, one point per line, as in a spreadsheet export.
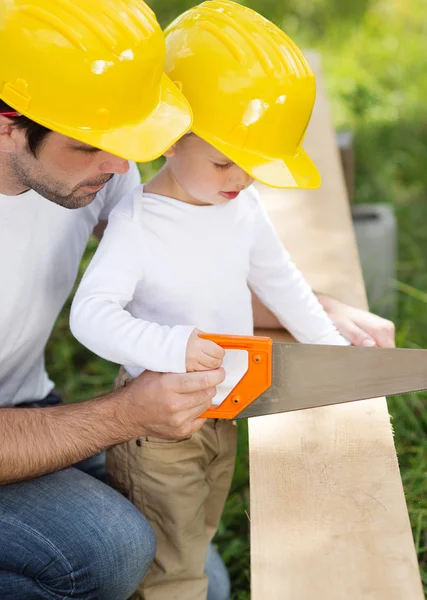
254	382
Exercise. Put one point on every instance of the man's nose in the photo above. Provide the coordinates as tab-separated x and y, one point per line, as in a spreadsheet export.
113	164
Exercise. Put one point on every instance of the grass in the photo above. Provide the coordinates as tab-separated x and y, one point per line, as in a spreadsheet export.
373	56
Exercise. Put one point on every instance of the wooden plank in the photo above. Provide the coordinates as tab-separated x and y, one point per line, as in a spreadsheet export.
328	513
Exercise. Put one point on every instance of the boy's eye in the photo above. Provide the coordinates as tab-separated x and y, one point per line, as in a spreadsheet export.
223	165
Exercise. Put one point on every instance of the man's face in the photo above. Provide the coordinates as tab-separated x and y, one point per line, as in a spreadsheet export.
64	170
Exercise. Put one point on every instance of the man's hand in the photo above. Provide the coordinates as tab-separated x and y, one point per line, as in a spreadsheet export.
202	354
168	405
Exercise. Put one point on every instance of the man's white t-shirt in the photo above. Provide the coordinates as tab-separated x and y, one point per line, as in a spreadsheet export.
165	267
41	245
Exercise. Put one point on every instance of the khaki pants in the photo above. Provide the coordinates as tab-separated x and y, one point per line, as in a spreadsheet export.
180	487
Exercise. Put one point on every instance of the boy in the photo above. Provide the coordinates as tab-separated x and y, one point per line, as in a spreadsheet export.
180	255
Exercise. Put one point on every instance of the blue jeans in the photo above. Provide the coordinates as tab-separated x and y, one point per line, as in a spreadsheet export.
69	535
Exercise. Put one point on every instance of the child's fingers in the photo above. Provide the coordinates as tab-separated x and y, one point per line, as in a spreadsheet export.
211	349
203	355
210	362
204	365
357	336
381	330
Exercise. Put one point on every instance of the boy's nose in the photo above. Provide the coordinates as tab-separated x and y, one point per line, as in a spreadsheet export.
242	180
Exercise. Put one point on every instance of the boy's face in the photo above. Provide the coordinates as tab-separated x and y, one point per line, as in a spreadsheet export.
205	175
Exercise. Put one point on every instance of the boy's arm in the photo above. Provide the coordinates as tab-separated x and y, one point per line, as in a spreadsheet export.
98	316
360	327
283	290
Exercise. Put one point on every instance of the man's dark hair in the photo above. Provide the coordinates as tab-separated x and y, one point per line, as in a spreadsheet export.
35	133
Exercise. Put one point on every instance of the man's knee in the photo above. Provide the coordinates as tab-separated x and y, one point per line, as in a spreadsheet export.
119	551
108	566
81	539
113	560
134	550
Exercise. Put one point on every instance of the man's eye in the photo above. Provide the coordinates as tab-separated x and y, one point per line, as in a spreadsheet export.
88	150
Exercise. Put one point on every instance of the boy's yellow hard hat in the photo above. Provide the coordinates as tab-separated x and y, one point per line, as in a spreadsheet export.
92	70
250	88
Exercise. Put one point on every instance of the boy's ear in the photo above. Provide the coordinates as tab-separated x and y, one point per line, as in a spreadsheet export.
169	152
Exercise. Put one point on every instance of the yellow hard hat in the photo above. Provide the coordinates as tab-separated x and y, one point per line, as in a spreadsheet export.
92	70
250	88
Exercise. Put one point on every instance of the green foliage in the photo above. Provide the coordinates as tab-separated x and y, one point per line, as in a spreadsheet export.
373	60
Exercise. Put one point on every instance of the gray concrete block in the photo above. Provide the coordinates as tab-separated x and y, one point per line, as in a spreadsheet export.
376	234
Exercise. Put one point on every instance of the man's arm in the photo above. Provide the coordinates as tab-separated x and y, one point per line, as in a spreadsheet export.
37	441
360	327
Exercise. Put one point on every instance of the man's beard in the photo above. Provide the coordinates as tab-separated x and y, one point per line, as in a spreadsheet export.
53	190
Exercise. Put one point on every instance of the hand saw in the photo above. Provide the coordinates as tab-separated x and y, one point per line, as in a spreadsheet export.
282	377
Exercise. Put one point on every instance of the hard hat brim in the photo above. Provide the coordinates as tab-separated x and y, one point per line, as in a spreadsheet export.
139	141
153	135
287	171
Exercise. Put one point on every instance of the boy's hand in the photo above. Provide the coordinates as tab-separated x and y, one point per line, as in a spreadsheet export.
360	327
202	355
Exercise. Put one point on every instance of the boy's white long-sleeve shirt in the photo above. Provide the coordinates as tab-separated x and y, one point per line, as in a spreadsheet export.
165	267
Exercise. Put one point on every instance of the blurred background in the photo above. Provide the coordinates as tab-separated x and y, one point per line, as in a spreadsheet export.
375	70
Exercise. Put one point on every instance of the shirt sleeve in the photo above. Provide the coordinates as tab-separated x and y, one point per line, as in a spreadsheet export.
99	318
282	288
120	186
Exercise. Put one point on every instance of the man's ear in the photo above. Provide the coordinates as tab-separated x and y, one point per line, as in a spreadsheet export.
9	135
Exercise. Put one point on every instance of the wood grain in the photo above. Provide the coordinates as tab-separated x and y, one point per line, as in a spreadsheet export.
328	514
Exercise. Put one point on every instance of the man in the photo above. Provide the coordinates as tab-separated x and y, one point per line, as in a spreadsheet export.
96	79
81	92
